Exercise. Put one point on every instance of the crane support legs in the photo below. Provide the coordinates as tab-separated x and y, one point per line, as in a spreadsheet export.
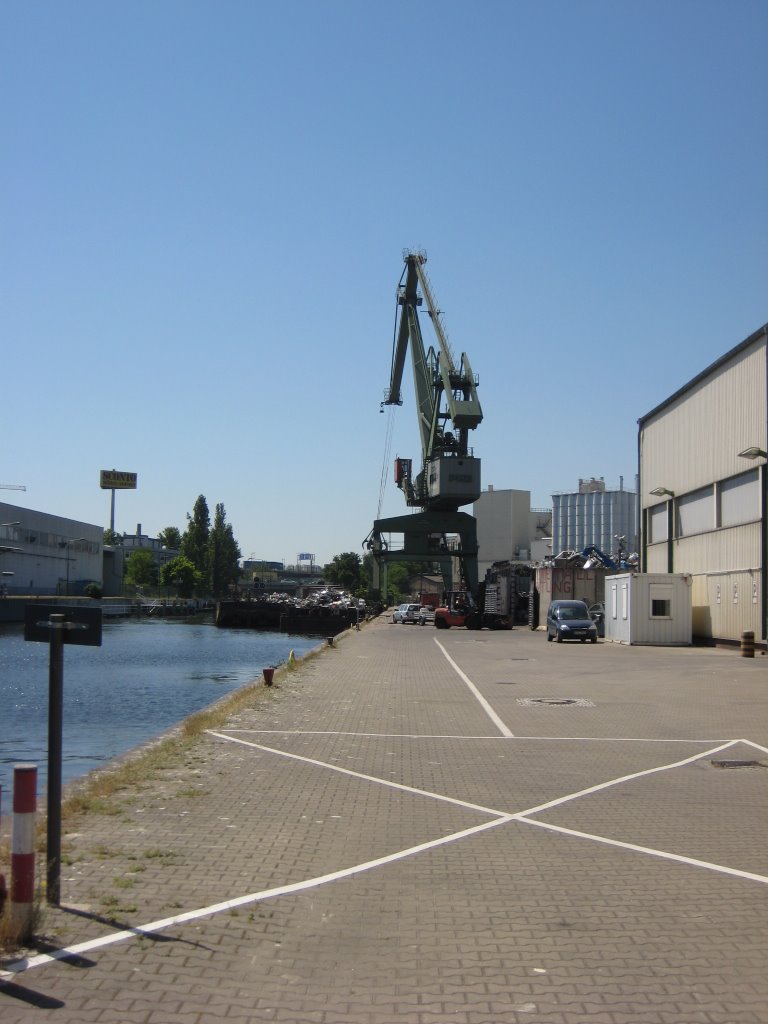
424	535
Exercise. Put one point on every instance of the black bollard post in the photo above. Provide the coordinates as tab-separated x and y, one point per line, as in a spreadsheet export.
55	722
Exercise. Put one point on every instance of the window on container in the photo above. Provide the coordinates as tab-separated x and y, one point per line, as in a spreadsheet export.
696	512
660	596
739	499
657	523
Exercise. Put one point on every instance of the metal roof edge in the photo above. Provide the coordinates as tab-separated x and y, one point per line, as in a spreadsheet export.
705	373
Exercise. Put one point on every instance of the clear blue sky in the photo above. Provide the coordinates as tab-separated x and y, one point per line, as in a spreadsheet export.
203	207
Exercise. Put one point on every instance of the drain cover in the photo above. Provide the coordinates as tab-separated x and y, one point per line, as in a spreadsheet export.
739	764
578	702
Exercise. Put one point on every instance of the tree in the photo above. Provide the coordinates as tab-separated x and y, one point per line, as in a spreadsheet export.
223	554
111	537
345	571
194	543
170	537
182	574
140	568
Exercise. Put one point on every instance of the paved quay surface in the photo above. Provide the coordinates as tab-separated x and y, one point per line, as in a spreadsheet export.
423	827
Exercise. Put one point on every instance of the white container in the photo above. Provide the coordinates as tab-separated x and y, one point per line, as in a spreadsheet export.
649	608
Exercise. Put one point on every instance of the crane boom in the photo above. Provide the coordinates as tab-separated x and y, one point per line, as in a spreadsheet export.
447	409
450	475
12	487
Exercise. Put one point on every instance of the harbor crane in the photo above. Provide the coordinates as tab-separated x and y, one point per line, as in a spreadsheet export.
447	410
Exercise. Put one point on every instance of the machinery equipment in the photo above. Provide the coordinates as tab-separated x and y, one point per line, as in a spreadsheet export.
447	410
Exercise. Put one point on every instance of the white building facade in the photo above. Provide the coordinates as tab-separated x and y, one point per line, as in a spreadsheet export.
702	458
42	554
508	529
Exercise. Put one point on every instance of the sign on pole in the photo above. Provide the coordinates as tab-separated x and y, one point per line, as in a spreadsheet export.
57	626
112	480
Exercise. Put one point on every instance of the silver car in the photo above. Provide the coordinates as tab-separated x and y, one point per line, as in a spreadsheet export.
409	613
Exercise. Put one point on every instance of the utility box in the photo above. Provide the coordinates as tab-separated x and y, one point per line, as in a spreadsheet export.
654	609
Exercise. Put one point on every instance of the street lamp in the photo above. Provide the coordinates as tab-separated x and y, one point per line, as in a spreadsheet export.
759	453
661	492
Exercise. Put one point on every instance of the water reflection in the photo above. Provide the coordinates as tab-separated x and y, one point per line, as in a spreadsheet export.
146	677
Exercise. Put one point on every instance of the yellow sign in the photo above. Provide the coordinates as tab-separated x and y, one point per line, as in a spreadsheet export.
112	480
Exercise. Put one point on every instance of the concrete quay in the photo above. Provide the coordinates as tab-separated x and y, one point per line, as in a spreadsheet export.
435	827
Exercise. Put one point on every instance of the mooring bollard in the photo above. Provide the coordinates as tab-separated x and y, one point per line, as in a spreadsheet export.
330	641
23	845
268	674
748	644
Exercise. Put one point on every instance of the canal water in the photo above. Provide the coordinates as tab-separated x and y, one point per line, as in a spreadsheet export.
145	678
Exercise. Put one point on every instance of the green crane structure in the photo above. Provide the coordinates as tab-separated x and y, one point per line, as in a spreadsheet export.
447	409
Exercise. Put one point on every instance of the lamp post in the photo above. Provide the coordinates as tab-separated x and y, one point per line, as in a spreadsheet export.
660	492
760	453
6	549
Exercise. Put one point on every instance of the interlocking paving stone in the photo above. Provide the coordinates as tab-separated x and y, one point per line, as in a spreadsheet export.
507	925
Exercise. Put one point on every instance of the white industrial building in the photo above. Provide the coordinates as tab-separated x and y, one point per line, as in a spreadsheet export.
595	515
508	529
702	457
42	554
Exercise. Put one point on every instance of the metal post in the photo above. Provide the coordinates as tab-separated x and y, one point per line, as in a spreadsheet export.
55	720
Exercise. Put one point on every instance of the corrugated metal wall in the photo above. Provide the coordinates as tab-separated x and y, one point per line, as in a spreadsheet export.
695	440
690	444
579	520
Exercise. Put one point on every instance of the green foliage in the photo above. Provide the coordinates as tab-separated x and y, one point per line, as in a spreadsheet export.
223	554
194	543
181	573
140	568
398	575
111	537
170	537
92	590
345	571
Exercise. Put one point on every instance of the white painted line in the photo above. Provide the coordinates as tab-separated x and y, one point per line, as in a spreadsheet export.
360	775
663	854
476	693
465	738
755	745
240	901
624	778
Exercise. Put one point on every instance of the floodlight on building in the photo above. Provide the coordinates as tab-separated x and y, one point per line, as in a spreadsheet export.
659	492
753	453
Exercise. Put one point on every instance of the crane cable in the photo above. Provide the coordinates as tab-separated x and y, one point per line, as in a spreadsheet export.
386	458
390	424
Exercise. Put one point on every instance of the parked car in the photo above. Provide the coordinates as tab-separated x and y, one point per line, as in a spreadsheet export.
597	614
428	612
569	620
409	613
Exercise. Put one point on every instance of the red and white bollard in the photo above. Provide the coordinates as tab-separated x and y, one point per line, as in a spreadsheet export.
23	844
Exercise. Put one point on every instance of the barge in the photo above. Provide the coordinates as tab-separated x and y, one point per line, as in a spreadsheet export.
286	617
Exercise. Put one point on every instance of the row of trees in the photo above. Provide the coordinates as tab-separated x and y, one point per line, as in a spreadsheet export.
208	559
